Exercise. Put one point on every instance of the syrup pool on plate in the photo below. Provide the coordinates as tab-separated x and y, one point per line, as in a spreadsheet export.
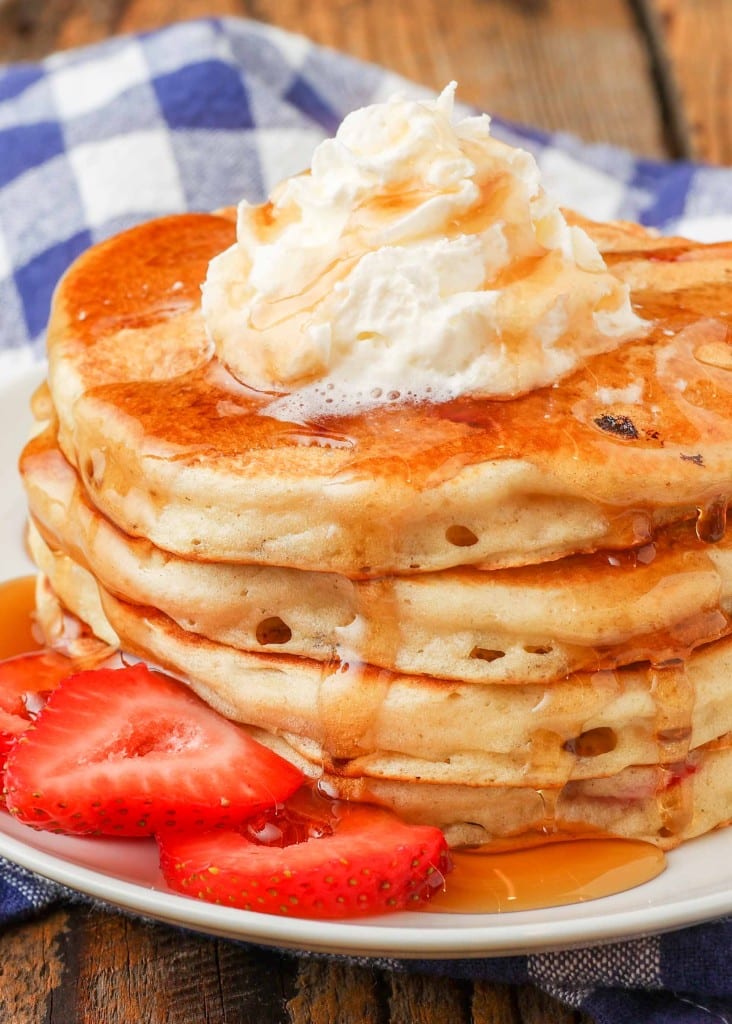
16	622
552	874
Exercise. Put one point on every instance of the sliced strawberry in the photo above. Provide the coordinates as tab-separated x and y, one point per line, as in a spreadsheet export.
25	682
130	752
370	863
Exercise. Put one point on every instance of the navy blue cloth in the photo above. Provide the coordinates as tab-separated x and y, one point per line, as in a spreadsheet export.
682	977
23	894
198	116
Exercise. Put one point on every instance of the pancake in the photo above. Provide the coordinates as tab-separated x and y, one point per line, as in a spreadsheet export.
505	618
665	806
528	624
582	788
360	720
173	450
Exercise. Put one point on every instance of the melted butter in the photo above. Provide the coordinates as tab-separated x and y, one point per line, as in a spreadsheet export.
550	875
17	601
367	226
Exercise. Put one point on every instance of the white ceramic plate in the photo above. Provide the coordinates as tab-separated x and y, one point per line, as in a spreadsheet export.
697	884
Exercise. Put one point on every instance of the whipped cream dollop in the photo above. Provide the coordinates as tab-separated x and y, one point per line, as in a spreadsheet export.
417	259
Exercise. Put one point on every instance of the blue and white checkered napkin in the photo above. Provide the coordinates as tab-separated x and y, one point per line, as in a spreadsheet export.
197	116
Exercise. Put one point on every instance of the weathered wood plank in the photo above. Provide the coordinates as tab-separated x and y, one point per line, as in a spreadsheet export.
329	991
107	967
32	964
694	39
83	966
416	999
539	1008
557	65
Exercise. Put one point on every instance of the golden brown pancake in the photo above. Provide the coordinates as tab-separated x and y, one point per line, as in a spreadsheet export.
505	617
533	790
661	806
174	450
359	720
526	624
652	804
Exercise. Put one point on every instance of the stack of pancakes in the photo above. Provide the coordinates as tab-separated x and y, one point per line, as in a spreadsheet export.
505	618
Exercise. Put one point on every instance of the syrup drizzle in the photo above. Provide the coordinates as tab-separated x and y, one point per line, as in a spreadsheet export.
391	621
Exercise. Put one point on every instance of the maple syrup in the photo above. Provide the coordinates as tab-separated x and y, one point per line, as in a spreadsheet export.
548	875
16	617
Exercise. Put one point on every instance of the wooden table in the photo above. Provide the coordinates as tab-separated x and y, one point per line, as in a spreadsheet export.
652	75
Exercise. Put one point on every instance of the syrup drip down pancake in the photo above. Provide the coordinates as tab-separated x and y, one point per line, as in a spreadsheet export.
625	753
527	624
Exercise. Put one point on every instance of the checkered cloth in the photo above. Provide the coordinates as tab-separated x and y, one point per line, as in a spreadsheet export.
197	116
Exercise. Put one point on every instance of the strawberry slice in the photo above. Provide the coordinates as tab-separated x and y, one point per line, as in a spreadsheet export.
130	752
366	862
25	682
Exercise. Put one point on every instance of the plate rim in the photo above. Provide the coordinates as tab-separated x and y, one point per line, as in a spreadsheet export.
399	936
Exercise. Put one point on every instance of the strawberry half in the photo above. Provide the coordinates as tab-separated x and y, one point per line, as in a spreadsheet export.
367	862
130	752
25	682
